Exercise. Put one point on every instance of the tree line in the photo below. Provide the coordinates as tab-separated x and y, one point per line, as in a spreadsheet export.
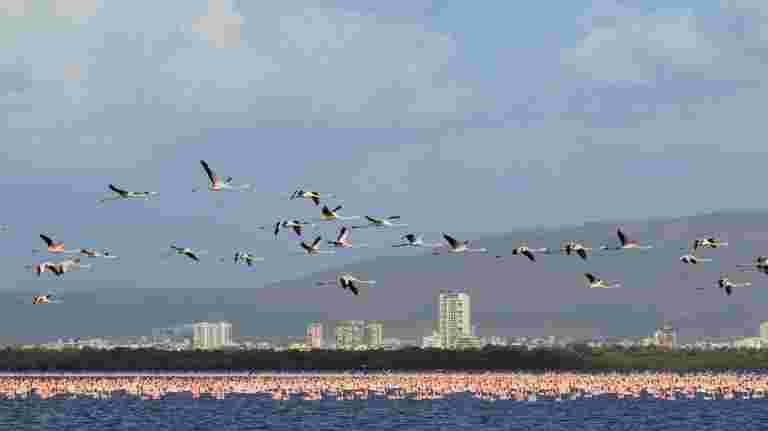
573	358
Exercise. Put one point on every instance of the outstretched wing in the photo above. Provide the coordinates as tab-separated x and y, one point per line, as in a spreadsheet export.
337	208
316	200
590	277
277	228
47	239
317	241
372	220
297	229
582	253
728	290
210	173
451	240
121	192
622	237
306	247
343	233
354	289
529	255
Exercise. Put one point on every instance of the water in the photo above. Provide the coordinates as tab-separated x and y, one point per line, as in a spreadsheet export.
249	412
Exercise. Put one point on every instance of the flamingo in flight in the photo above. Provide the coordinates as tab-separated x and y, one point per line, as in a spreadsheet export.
347	281
381	222
314	248
342	240
693	259
572	247
313	196
188	252
59	268
44	299
457	247
56	247
121	194
626	243
760	264
598	283
296	225
414	240
524	250
89	252
725	283
246	258
710	242
327	214
216	184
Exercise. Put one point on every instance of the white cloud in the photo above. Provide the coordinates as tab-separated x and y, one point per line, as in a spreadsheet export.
221	26
14	8
74	8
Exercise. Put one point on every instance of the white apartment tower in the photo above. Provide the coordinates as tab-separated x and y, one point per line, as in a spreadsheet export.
208	335
454	309
315	336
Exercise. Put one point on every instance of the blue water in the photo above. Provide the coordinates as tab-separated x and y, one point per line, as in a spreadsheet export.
179	413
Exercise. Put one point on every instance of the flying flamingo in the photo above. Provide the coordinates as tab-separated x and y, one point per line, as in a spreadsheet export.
381	222
597	283
121	194
342	240
246	258
347	281
188	252
728	285
327	214
314	196
217	185
54	246
314	248
413	240
626	243
456	247
571	247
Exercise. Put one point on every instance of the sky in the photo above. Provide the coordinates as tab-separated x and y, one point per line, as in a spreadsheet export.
464	118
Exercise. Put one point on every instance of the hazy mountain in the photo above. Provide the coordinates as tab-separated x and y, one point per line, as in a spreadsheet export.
509	295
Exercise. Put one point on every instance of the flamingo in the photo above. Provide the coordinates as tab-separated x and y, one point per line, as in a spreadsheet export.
456	246
44	299
413	240
626	243
327	214
710	242
124	194
188	252
59	268
314	248
296	225
54	246
571	247
760	264
246	258
347	281
217	185
342	240
728	285
598	283
314	196
527	252
89	252
381	222
692	259
45	267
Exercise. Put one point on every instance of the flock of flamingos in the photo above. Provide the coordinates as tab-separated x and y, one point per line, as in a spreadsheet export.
348	281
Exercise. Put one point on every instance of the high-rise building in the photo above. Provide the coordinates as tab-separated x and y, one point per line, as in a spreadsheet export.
374	335
349	334
764	330
665	336
454	318
315	336
207	335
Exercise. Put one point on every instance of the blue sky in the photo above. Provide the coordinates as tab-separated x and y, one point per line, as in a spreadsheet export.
459	117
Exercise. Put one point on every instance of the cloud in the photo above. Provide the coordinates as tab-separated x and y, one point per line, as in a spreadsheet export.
221	26
14	8
153	77
74	8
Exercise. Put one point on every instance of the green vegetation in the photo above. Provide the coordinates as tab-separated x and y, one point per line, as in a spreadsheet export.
576	358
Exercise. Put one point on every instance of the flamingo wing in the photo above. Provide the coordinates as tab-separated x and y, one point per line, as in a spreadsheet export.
529	255
451	240
121	192
47	239
622	237
582	253
590	277
317	241
316	200
209	172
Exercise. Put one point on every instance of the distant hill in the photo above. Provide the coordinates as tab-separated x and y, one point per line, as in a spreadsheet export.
514	296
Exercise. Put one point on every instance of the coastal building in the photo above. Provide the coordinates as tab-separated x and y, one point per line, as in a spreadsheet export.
764	330
666	336
467	342
315	335
374	335
454	317
433	341
349	334
211	335
750	343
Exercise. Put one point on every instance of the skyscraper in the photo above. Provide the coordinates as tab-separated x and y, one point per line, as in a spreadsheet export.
454	318
207	335
349	334
374	335
315	335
